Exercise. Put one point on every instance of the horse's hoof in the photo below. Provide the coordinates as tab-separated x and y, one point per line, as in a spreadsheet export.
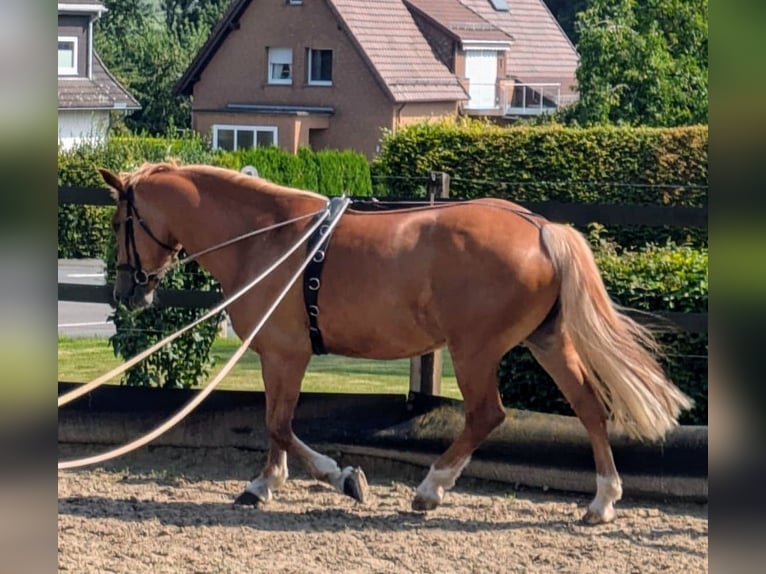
592	518
421	504
247	498
355	485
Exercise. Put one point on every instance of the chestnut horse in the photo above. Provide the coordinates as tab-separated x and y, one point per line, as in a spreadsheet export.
480	277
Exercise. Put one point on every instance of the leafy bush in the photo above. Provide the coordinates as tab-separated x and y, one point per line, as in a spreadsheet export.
184	362
668	278
84	230
641	166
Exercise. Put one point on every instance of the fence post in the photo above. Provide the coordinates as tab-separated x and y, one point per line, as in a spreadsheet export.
426	370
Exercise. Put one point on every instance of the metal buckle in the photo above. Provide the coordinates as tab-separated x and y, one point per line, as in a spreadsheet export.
314	284
313	310
140	277
323	229
318	256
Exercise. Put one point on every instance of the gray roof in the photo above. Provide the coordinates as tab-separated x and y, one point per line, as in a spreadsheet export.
398	53
459	21
103	91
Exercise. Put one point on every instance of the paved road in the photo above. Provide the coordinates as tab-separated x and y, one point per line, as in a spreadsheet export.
87	319
83	319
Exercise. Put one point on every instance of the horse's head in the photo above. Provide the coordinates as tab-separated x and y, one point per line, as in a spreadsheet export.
145	246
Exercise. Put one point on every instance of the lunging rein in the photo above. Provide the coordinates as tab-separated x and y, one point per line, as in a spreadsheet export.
478	277
325	221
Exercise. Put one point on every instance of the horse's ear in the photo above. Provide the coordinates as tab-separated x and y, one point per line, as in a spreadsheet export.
112	180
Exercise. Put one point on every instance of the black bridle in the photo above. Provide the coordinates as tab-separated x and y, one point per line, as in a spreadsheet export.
140	277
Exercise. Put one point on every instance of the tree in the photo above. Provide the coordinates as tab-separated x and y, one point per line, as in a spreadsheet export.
148	45
642	62
565	12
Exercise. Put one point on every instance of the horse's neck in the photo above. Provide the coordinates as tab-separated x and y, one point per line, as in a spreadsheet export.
224	214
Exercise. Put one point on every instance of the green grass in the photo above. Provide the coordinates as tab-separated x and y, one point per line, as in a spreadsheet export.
81	360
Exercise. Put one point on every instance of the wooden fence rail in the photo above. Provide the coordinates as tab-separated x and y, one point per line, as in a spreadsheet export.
425	371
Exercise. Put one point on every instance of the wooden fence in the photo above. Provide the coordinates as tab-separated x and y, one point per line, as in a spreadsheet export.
425	371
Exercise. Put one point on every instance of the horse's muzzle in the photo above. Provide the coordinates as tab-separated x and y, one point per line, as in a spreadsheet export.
129	293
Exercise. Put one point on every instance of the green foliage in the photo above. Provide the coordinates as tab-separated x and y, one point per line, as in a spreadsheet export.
329	172
565	12
669	278
181	364
642	62
343	172
641	166
147	46
83	230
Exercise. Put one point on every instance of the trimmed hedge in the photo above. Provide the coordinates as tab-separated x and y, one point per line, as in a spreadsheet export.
642	166
84	231
329	172
668	278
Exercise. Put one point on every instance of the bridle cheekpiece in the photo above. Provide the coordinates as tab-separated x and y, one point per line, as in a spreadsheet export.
140	277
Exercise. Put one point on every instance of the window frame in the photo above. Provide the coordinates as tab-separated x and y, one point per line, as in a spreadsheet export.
272	51
69	71
309	67
241	127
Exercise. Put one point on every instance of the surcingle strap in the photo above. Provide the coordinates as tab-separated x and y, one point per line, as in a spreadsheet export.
312	276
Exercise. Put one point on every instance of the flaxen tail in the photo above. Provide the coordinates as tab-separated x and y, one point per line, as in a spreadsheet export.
617	353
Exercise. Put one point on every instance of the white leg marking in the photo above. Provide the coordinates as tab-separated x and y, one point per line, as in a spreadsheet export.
263	486
324	468
608	491
438	481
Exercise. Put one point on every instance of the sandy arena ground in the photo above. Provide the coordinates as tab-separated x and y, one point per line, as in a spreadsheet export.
170	510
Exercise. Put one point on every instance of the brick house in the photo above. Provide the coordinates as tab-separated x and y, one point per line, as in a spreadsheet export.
334	73
87	93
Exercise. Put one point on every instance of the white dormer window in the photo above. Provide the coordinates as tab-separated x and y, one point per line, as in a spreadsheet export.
280	65
67	55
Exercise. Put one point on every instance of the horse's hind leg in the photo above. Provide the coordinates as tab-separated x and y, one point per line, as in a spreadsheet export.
282	376
553	349
477	379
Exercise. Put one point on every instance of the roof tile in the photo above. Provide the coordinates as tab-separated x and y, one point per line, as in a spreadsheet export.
102	91
398	52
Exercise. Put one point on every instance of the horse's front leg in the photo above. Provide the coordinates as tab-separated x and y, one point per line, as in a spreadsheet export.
273	477
282	376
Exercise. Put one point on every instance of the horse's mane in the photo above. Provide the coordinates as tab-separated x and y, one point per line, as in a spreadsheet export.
135	177
235	177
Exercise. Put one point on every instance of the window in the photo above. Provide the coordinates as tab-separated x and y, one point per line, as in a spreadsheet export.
280	66
243	137
67	56
295	2
481	71
320	67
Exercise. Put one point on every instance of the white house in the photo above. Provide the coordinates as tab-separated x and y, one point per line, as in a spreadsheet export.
87	92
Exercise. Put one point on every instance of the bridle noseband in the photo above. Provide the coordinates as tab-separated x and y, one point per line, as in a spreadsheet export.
140	277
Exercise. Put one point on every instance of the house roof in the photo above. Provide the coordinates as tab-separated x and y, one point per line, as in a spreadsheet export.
459	21
541	51
103	91
398	55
